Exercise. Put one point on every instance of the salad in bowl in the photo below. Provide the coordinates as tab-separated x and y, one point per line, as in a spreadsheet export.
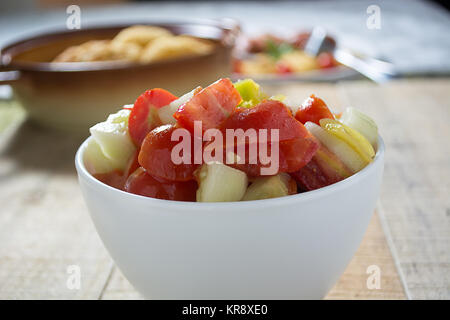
228	142
229	193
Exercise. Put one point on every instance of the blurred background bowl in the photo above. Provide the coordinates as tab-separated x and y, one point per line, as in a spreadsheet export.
75	95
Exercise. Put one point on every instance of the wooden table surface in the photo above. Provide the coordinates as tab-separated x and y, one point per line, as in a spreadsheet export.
45	227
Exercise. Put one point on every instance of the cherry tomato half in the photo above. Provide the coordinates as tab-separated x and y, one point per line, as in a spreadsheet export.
141	183
143	117
296	145
313	109
117	178
212	105
269	114
156	155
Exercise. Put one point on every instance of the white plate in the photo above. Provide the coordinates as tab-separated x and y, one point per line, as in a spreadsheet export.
319	75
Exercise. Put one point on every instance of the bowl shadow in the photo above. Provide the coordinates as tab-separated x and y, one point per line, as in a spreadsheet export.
33	147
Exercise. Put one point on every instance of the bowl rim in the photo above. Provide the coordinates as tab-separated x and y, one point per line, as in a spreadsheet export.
271	202
225	25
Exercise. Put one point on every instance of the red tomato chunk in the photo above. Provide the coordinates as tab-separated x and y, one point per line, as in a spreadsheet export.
156	155
313	109
212	105
143	116
141	183
296	145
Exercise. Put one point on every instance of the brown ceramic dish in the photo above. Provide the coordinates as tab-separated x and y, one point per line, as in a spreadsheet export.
75	95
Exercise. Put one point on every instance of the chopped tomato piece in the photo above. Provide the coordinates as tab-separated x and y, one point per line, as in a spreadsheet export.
313	109
296	145
117	178
282	68
156	155
326	60
211	106
325	168
292	156
269	114
311	177
143	117
296	153
141	183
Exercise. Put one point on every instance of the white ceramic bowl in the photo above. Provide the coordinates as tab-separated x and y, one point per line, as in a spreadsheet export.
295	247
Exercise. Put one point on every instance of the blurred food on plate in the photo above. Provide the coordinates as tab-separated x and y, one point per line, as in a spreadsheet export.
273	55
138	43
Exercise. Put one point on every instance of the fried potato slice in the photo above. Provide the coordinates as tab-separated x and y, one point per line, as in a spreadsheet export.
141	35
94	50
299	61
138	43
174	47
